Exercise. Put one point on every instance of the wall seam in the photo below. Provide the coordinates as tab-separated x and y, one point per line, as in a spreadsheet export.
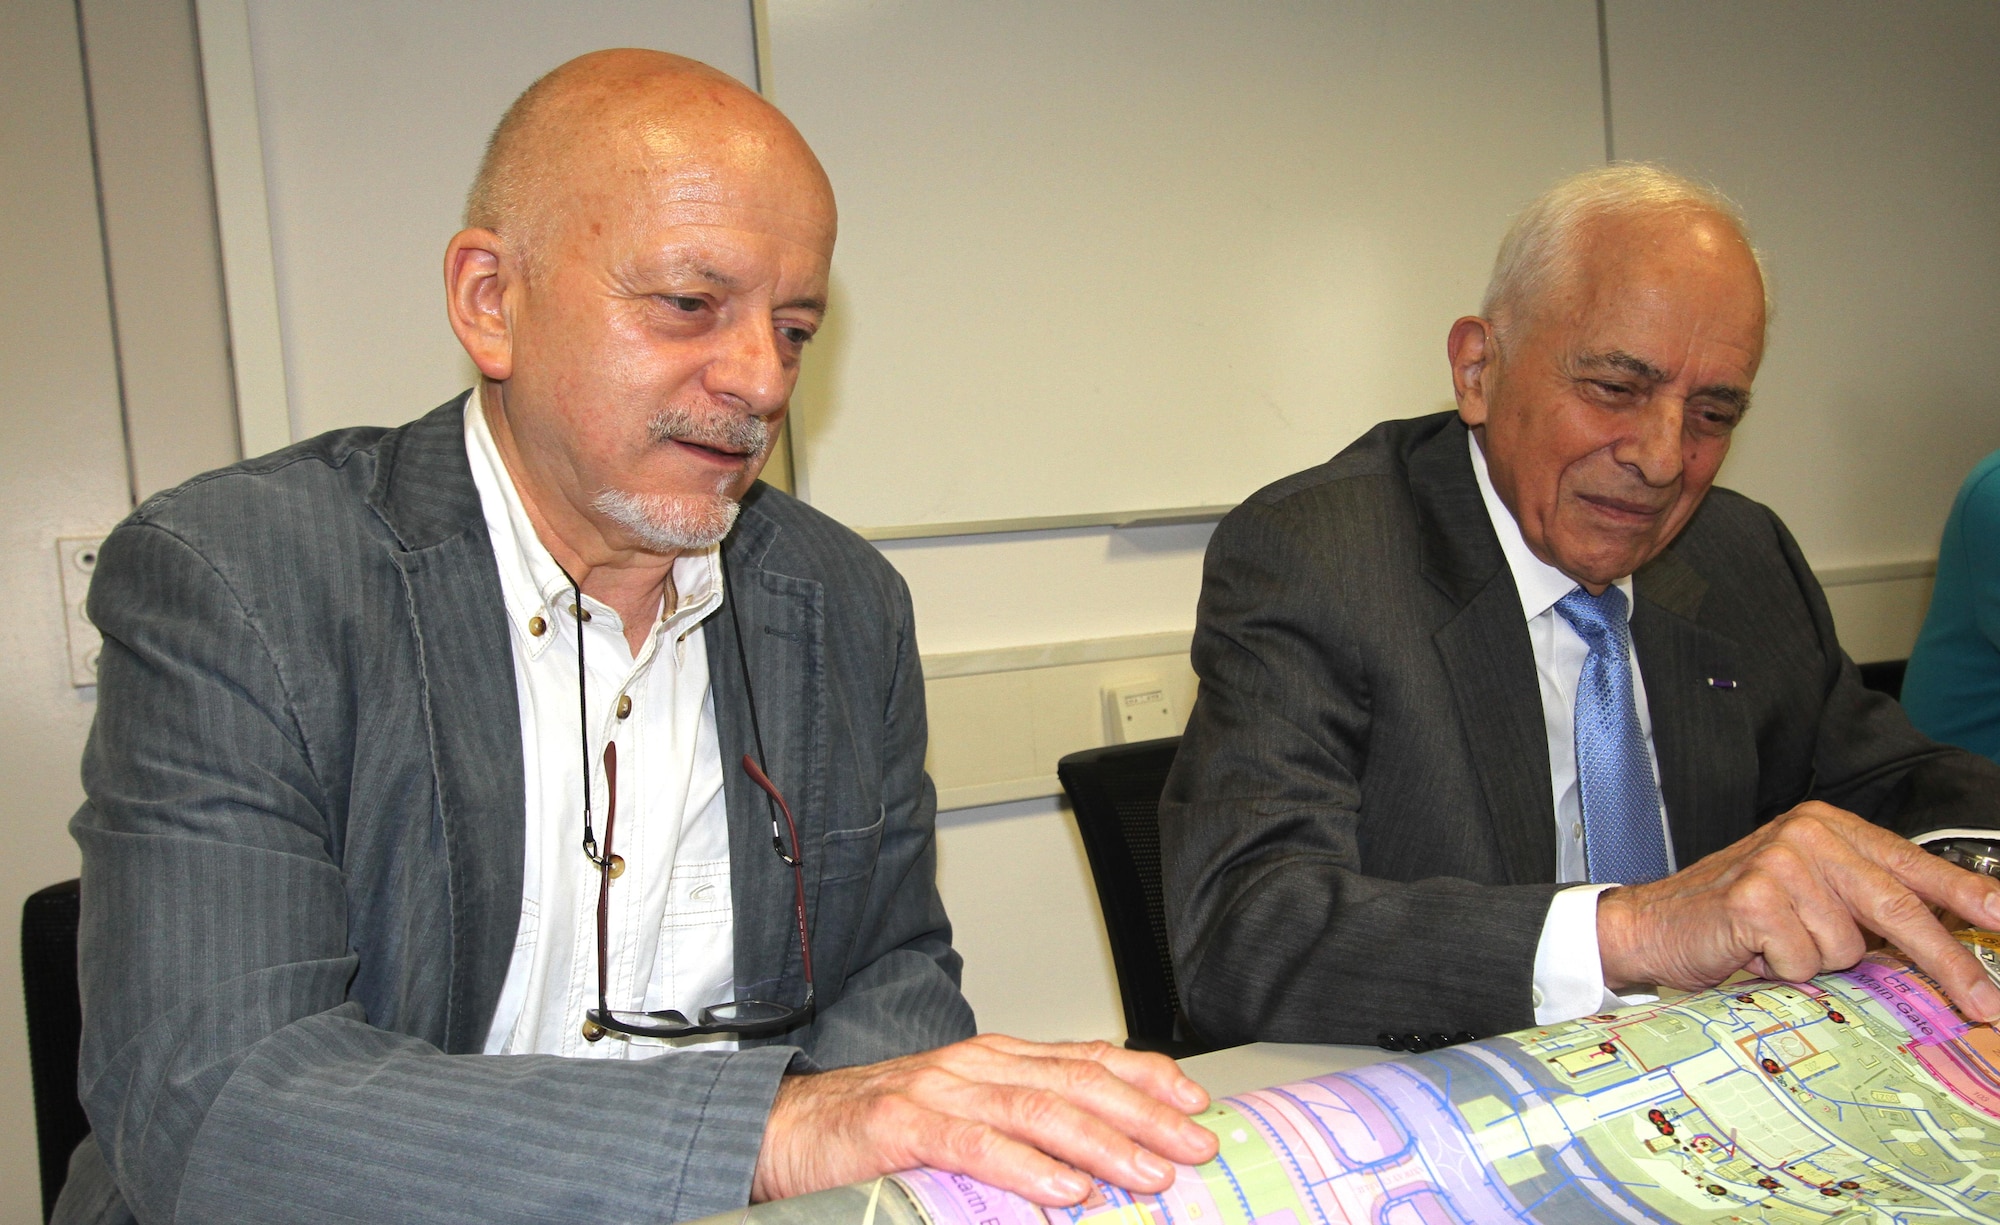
1604	78
104	252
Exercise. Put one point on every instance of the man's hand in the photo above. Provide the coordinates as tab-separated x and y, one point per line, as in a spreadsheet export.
1798	898
1023	1116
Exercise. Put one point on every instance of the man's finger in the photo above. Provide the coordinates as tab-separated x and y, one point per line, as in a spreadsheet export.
1961	892
1958	972
966	1146
1154	1073
1884	903
1088	1085
1938	882
1764	902
1049	1122
1839	940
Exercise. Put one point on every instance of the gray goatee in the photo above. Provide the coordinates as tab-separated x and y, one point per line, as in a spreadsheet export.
666	522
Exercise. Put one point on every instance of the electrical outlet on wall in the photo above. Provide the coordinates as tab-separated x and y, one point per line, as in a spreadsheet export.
77	557
1140	710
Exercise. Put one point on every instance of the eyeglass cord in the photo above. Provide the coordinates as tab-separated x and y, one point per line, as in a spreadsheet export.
751	766
583	718
756	729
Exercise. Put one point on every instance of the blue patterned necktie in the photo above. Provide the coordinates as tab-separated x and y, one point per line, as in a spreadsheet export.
1623	841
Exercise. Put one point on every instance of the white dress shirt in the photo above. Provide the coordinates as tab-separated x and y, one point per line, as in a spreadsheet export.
672	928
1569	976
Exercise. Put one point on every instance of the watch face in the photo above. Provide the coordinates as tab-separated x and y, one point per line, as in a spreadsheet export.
1980	855
1986	946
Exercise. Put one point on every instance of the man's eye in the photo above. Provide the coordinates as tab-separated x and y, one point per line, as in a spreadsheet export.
1715	420
797	336
683	303
1612	389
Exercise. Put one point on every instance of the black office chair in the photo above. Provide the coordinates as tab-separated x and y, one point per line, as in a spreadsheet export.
1885	676
55	1020
1115	792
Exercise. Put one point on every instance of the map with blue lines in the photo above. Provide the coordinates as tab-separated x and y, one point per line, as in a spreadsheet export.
1858	1097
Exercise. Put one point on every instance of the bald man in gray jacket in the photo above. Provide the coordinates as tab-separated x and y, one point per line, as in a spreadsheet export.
397	899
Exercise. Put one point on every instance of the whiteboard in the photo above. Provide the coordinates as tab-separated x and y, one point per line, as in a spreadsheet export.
373	115
1127	254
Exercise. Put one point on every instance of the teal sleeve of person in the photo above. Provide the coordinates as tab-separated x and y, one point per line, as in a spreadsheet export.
1952	689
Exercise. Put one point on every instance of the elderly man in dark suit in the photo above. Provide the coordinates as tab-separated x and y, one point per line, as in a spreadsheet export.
1474	689
446	779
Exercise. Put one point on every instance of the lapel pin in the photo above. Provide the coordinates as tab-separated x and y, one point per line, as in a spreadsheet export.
1720	682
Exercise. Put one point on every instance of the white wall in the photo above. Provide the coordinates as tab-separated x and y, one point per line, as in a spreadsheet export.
71	465
1025	918
62	472
1077	238
373	115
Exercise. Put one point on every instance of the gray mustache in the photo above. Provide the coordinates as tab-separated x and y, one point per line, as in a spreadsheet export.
721	431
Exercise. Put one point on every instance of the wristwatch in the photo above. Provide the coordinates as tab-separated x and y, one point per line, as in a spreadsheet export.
1980	855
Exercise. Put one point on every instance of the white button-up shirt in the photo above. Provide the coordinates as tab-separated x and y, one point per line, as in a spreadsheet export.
671	925
1569	975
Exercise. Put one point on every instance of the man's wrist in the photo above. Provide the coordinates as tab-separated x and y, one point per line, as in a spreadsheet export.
1616	941
1569	981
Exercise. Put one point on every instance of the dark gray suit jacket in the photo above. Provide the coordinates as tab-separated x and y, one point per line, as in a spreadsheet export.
1359	833
302	858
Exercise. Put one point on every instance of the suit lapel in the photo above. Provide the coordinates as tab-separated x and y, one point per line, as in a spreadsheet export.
782	643
424	492
1486	655
1491	665
1707	756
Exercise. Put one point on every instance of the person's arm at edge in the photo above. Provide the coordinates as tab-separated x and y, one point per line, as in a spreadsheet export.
1982	546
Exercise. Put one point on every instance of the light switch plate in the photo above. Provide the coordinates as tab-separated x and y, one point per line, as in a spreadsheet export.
77	557
1140	710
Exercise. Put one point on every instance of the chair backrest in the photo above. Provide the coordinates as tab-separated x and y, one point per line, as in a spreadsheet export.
1115	792
1885	676
55	1023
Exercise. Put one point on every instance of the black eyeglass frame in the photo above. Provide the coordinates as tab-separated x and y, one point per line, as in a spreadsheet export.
744	1018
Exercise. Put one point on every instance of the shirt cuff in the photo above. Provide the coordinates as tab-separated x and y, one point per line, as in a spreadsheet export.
1569	974
1938	835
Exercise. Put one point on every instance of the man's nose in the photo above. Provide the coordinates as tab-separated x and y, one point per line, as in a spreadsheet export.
749	368
1654	445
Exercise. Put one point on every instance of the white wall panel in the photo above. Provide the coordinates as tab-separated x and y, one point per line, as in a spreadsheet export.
1122	256
62	473
374	114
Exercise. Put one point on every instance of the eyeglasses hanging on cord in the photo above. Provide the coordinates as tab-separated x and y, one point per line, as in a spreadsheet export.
744	1018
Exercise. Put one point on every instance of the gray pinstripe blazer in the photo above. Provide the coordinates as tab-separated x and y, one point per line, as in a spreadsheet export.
302	856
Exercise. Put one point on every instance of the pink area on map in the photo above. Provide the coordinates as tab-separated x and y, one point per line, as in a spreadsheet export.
1341	1126
1916	1004
1965	1071
954	1199
1380	1145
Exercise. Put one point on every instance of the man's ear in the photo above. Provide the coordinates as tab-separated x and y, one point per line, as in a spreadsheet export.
477	276
1472	348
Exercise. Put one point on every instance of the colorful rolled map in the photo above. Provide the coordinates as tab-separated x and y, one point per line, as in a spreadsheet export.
1859	1096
